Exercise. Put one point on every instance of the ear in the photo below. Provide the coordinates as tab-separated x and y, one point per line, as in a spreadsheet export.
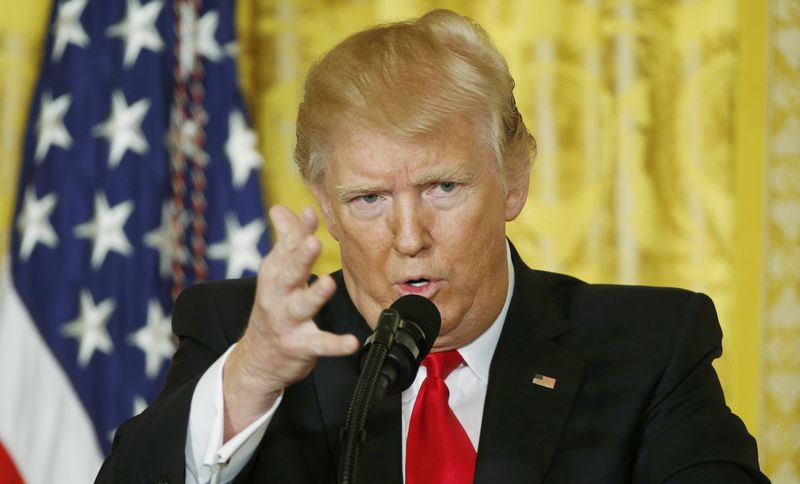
516	197
324	202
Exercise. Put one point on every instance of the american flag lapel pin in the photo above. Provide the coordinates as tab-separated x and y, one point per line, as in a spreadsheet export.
544	381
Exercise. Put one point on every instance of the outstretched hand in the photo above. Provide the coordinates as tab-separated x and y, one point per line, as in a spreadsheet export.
281	343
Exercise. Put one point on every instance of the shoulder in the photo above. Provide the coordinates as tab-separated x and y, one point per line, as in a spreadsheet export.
579	300
655	317
222	307
230	291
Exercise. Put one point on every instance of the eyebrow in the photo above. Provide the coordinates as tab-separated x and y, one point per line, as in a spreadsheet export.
344	192
455	174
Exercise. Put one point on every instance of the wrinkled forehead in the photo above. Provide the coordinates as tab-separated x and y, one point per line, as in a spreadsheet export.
344	134
364	152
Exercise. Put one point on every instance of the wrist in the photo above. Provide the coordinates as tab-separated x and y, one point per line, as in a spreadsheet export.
242	379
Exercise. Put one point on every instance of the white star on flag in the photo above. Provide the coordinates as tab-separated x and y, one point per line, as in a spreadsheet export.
232	49
68	29
198	38
155	339
162	239
183	137
138	29
240	249
106	229
50	125
34	222
241	149
139	405
90	327
206	40
123	128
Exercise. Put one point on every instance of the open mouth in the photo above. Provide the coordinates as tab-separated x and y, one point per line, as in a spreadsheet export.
418	282
419	285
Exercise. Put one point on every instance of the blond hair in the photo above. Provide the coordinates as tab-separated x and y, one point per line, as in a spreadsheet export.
413	79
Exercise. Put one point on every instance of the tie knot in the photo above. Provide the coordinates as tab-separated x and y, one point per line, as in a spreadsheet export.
441	364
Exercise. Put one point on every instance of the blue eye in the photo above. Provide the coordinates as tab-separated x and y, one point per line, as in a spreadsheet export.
447	186
369	198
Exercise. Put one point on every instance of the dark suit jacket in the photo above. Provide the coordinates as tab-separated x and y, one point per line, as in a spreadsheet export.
636	398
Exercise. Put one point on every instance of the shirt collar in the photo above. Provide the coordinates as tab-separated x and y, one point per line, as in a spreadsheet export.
478	354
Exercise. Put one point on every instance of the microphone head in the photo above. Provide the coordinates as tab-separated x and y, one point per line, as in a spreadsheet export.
425	314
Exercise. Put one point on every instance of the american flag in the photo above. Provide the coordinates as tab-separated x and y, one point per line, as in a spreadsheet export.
544	381
139	176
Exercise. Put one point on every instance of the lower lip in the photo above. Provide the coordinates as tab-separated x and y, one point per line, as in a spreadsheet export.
427	290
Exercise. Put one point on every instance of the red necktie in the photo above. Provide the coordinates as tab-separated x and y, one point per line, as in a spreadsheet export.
438	449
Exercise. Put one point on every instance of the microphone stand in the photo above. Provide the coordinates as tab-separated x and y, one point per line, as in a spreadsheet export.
353	434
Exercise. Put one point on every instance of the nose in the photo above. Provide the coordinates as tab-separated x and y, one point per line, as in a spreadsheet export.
411	228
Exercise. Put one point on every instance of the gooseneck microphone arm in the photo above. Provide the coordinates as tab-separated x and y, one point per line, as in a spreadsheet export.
390	359
353	428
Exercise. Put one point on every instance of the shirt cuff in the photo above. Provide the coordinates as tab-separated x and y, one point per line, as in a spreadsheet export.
207	459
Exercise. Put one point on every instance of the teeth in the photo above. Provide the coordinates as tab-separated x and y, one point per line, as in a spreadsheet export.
418	283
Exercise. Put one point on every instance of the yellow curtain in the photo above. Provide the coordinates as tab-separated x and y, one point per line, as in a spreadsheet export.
779	189
669	137
22	28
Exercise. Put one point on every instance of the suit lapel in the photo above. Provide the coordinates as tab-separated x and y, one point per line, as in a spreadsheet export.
522	421
334	381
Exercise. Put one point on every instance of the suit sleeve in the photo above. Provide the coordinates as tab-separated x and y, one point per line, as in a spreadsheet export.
151	446
690	435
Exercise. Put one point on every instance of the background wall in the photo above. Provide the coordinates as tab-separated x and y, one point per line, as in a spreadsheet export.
669	137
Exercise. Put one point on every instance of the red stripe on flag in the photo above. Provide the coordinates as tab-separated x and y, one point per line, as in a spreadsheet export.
8	471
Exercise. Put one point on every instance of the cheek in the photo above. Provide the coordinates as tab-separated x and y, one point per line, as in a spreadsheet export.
473	231
363	245
474	242
355	233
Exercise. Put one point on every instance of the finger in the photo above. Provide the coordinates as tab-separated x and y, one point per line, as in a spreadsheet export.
319	343
294	270
305	303
310	220
288	229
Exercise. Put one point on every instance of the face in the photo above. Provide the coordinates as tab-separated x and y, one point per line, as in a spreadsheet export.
421	216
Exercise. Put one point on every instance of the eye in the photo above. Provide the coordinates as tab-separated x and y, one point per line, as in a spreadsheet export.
447	186
367	206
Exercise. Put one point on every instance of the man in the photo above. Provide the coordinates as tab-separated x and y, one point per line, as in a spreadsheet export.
411	141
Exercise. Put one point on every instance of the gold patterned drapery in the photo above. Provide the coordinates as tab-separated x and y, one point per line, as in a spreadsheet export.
779	394
669	135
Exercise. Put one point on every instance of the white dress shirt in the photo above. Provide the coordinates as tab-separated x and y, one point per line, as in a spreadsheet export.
209	461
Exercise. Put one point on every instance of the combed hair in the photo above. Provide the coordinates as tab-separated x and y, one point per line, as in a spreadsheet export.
414	79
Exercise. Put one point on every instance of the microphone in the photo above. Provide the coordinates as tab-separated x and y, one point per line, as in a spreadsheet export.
390	358
407	329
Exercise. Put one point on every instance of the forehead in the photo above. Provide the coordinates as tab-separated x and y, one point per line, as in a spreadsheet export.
371	153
